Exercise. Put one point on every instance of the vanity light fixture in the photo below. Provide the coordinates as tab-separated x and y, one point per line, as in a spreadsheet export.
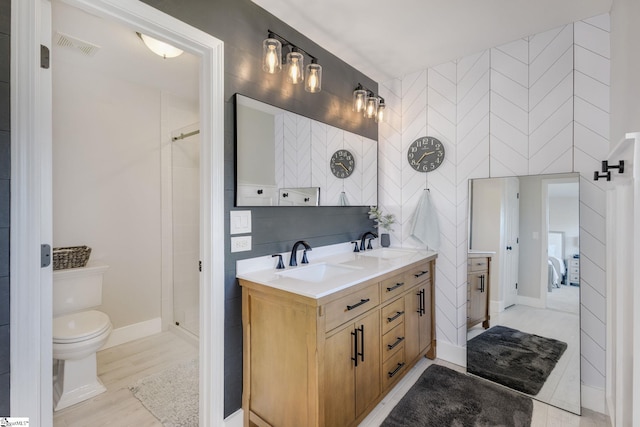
272	59
160	48
367	102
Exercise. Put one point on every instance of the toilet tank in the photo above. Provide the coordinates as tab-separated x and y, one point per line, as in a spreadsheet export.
76	289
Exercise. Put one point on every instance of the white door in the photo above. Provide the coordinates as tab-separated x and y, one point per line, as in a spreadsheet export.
31	211
511	212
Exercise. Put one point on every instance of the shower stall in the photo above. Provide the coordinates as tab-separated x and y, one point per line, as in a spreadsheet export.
185	196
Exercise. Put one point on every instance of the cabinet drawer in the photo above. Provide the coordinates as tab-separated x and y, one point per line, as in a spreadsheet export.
574	270
393	341
417	274
392	287
350	306
393	368
477	264
392	314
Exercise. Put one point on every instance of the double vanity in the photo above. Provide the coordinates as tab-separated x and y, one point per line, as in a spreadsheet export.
325	341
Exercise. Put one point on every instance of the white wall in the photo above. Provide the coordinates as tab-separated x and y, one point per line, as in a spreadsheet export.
536	105
107	184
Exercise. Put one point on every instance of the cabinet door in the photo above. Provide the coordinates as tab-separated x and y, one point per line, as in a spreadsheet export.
368	370
417	320
477	282
339	374
352	370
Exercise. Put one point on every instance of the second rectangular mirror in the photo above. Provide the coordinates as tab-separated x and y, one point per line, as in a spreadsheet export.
278	149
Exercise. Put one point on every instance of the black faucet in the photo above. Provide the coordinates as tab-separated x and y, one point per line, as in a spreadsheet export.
293	261
364	237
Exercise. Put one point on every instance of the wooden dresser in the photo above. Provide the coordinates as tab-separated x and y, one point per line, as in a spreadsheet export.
329	361
478	302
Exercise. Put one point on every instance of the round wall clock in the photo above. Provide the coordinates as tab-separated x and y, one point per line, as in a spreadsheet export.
342	163
425	154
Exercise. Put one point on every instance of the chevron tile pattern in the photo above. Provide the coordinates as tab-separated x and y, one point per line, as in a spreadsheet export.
551	101
536	105
591	133
305	146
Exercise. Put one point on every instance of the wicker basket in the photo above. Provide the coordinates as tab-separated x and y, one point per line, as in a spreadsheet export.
70	257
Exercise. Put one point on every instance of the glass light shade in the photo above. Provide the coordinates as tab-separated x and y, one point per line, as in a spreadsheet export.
380	113
359	98
314	78
295	67
271	56
160	48
371	106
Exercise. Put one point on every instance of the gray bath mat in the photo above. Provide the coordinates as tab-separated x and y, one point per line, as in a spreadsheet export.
171	395
443	397
512	358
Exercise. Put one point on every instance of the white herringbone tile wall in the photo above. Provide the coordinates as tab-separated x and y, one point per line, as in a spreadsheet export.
536	105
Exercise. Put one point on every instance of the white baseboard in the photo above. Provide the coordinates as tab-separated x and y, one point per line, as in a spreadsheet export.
133	332
593	398
235	420
452	353
531	302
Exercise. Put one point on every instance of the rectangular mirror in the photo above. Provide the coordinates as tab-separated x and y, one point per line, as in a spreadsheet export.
530	341
278	149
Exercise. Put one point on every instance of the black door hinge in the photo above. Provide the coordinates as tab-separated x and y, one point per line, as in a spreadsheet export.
199	265
44	57
45	255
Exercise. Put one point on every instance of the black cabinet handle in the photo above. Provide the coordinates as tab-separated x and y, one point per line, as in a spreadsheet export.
358	304
395	371
361	353
421	302
355	347
396	286
395	344
392	318
422	273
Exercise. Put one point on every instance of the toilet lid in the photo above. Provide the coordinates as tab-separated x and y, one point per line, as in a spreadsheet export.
79	326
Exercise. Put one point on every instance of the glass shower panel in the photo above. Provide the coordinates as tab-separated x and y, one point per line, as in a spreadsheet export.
185	154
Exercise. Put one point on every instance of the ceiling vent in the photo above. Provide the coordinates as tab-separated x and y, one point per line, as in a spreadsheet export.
86	48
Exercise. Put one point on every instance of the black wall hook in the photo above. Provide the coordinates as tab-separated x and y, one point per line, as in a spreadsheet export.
597	176
606	166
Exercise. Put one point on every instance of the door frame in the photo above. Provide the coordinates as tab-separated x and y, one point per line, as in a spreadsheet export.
31	192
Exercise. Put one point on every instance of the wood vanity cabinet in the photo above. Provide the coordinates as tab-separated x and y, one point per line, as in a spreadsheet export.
329	361
478	291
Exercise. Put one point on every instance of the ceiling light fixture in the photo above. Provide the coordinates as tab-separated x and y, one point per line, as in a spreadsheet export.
272	59
160	48
367	102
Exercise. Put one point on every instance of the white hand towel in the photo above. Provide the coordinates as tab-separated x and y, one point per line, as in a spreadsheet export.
342	201
425	222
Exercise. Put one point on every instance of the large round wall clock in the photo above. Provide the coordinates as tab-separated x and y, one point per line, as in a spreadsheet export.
342	163
425	154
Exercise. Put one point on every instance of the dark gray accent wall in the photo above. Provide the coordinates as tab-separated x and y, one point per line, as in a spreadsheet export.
5	201
242	26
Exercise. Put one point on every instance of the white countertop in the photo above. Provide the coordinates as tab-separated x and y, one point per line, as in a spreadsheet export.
355	267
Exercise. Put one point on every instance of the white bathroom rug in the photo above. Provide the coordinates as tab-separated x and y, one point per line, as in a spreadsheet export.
171	395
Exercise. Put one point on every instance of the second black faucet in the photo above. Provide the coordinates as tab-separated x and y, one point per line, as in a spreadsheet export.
294	253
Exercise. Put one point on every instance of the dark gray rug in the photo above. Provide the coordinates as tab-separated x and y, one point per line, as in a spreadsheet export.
445	398
512	358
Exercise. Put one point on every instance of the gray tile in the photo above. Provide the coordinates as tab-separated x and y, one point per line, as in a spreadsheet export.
5	54
5	22
5	156
4	251
4	349
5	107
4	394
5	202
4	301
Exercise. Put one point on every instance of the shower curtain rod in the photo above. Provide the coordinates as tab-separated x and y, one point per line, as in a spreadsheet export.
185	135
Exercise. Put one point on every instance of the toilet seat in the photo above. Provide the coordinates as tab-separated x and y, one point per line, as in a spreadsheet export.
77	327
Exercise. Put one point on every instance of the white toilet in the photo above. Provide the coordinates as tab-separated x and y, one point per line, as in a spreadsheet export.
78	333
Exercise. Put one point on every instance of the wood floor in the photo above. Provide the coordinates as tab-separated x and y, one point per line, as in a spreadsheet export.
118	368
121	366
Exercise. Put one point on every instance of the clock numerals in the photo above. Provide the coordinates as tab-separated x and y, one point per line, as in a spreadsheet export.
425	154
342	164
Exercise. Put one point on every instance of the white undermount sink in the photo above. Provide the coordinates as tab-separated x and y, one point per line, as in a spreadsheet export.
317	272
387	253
